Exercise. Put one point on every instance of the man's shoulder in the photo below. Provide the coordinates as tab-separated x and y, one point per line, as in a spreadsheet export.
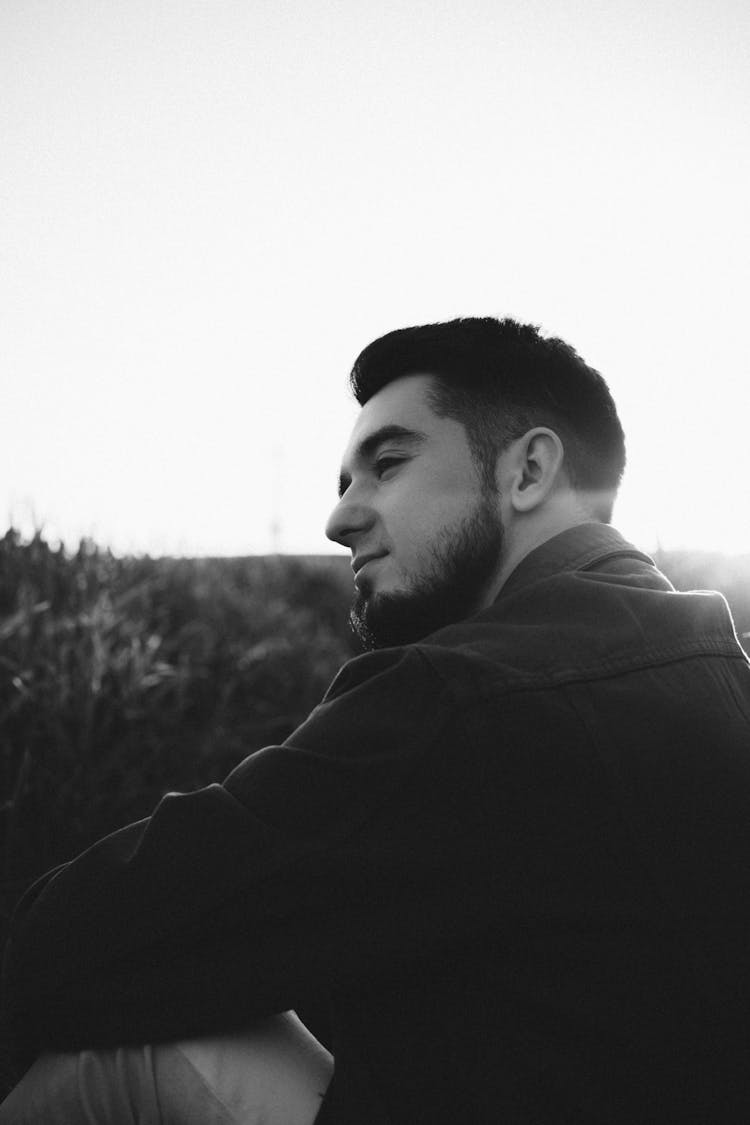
613	617
388	669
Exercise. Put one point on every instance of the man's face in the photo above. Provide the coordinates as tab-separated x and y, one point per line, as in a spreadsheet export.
426	537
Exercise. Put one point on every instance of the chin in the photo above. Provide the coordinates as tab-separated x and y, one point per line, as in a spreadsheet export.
384	619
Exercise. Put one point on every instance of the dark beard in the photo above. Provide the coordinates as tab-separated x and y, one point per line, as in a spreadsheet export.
464	561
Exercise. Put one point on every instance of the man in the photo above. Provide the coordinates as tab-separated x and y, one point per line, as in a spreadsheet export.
511	844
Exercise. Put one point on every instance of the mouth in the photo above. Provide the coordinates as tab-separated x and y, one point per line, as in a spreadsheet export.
361	561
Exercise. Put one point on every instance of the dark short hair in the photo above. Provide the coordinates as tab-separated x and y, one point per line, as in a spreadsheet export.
500	378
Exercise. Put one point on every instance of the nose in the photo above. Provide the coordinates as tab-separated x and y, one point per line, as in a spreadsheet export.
348	520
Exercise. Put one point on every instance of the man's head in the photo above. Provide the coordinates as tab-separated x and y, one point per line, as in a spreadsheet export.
478	439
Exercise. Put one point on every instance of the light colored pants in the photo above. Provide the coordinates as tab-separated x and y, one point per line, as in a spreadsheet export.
276	1073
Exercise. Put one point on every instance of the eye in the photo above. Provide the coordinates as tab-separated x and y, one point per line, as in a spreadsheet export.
383	464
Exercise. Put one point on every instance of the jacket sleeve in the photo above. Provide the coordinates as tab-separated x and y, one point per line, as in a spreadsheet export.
313	864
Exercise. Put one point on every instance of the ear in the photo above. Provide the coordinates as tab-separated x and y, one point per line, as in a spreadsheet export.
533	468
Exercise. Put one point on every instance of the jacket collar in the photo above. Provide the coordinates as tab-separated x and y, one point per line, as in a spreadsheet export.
576	548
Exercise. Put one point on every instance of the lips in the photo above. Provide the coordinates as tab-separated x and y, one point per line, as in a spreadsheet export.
362	560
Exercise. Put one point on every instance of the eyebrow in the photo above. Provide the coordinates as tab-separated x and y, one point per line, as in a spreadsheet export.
368	446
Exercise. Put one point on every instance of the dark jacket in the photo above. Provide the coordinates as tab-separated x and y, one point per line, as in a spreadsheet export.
516	857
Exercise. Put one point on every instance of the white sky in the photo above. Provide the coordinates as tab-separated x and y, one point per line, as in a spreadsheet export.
208	208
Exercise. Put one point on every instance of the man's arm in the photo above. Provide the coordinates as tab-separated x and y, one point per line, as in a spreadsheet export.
315	862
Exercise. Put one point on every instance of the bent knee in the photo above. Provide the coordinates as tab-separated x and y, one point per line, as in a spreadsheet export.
276	1072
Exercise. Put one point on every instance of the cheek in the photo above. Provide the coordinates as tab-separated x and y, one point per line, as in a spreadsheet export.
413	528
426	499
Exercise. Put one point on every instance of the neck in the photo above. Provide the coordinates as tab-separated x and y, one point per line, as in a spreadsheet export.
527	538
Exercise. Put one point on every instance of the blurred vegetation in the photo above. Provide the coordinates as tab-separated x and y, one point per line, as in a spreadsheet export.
123	678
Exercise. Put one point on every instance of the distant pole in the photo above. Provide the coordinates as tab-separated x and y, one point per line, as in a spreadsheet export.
276	489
